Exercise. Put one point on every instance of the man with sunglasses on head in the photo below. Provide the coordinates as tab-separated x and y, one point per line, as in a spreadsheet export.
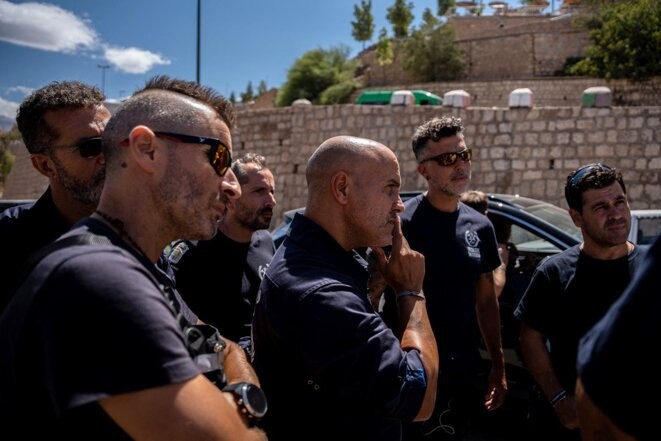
461	252
570	291
61	125
94	343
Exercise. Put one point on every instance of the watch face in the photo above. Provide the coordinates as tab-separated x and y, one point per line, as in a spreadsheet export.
255	399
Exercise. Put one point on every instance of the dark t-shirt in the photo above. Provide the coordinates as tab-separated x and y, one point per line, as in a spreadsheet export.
617	358
568	293
23	230
458	248
90	322
330	366
219	279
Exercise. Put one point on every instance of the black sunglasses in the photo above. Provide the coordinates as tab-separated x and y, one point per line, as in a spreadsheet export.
581	172
450	158
219	155
87	148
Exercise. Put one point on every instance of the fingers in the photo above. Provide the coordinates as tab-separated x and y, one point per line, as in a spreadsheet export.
397	236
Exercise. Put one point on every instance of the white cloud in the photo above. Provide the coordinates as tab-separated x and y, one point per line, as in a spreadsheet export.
44	26
8	108
133	60
21	89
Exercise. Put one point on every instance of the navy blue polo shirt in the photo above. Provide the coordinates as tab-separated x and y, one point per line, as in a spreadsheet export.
327	362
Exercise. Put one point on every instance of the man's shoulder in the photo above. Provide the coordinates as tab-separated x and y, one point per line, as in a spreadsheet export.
564	260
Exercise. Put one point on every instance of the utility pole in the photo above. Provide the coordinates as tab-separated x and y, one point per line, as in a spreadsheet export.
197	60
103	68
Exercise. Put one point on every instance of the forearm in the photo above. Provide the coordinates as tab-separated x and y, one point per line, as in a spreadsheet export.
488	319
237	365
417	334
538	361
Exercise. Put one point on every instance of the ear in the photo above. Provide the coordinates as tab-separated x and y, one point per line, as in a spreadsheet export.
142	148
576	217
340	187
43	164
422	169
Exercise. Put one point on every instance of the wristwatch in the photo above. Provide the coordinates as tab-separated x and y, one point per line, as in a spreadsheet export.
250	399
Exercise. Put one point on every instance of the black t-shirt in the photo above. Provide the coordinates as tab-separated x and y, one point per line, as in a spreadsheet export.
90	322
568	294
458	248
219	279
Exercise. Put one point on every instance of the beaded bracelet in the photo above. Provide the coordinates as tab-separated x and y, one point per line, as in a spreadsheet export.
406	293
558	397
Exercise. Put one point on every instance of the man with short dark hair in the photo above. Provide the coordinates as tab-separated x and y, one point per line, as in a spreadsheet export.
570	291
94	343
461	253
61	125
242	250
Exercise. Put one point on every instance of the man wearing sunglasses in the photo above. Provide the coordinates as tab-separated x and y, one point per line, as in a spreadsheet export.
570	291
461	252
61	125
93	343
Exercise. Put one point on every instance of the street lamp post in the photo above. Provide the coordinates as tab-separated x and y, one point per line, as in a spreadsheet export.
103	68
197	60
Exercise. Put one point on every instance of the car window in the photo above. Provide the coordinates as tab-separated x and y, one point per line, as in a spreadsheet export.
649	228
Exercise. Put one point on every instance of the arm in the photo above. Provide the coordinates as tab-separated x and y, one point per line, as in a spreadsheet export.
500	273
191	410
538	361
488	318
237	366
595	425
404	270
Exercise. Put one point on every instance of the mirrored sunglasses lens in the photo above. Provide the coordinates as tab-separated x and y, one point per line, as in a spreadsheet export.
90	148
447	159
220	160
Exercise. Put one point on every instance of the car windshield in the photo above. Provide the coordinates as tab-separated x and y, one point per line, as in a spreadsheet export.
556	216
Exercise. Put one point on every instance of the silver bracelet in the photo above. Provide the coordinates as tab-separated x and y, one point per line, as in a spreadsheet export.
558	397
407	293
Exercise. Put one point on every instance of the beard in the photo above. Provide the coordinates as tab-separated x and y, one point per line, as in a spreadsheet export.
87	192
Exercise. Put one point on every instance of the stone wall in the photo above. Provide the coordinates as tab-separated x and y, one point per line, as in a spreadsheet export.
524	151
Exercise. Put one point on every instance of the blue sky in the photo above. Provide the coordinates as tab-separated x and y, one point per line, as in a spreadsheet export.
241	41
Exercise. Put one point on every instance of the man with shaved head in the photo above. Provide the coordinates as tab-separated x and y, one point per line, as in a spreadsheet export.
330	366
95	344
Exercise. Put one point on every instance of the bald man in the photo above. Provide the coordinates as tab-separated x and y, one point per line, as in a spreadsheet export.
330	366
94	345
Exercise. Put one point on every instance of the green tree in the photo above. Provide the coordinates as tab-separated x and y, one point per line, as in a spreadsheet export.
431	54
445	7
384	52
262	88
400	15
363	27
232	97
626	38
314	72
429	20
248	95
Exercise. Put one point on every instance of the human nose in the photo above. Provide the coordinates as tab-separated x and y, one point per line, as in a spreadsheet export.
398	207
230	186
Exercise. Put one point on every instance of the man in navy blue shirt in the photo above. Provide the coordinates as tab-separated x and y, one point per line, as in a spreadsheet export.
61	125
330	366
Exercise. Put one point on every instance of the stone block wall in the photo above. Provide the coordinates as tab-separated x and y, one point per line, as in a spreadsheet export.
524	151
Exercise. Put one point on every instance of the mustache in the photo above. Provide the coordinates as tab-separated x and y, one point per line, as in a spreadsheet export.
265	212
